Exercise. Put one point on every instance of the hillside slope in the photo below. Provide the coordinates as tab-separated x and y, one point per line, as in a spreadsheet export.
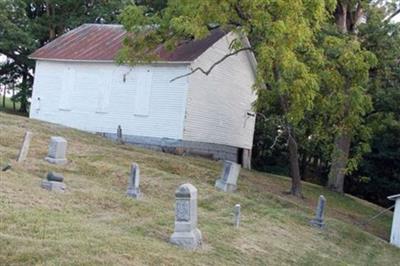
94	223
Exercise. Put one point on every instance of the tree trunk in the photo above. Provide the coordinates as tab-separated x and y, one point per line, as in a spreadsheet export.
13	94
347	18
294	167
292	144
24	87
340	156
348	15
4	96
341	17
50	10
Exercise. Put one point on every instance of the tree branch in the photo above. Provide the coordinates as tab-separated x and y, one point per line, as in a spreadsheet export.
395	13
208	71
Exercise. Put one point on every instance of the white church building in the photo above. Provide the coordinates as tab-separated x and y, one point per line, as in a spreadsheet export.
79	85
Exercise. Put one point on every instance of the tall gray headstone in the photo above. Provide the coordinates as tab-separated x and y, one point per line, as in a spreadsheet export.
133	182
23	152
57	151
186	233
230	173
318	220
237	215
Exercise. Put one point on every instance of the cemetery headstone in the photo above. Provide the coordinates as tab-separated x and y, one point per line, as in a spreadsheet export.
186	233
54	182
52	176
318	220
57	151
23	152
237	215
134	180
230	173
119	135
395	234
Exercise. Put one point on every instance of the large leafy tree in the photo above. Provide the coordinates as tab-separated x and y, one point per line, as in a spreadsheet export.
351	60
281	34
379	172
25	25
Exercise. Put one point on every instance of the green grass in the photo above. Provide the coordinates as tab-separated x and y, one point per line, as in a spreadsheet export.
94	223
8	108
9	104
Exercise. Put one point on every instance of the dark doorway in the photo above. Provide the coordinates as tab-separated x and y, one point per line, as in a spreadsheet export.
239	159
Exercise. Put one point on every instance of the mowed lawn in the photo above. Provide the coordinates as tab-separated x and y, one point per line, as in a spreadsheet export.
8	104
94	223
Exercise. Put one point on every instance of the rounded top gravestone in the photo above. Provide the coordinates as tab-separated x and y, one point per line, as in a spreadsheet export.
186	191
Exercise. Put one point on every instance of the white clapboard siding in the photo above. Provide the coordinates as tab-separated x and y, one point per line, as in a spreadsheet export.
105	95
218	104
143	92
67	88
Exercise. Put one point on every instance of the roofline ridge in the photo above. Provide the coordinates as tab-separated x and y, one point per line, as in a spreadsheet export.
107	25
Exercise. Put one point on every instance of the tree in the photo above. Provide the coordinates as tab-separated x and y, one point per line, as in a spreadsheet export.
281	34
348	66
25	25
378	173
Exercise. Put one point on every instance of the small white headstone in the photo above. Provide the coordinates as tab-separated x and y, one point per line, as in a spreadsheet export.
318	220
23	153
237	215
186	233
229	176
395	234
134	180
57	151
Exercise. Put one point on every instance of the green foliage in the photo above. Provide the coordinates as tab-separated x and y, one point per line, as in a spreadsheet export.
378	173
282	37
25	25
344	100
359	81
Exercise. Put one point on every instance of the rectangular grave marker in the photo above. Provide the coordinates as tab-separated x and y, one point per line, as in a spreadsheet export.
318	220
119	135
134	181
23	152
228	179
54	182
186	233
57	151
237	215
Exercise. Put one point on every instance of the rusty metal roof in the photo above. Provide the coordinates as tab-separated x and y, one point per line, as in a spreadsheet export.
101	42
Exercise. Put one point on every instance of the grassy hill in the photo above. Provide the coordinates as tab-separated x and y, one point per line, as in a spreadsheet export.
94	223
8	105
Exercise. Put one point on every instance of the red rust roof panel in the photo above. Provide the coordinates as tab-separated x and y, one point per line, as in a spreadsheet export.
100	42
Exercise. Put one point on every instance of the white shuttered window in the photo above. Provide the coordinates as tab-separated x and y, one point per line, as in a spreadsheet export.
103	97
67	86
143	91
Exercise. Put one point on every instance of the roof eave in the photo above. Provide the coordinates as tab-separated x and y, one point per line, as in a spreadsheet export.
102	61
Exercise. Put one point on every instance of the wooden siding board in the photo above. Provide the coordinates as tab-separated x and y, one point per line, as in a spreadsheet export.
166	109
217	104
